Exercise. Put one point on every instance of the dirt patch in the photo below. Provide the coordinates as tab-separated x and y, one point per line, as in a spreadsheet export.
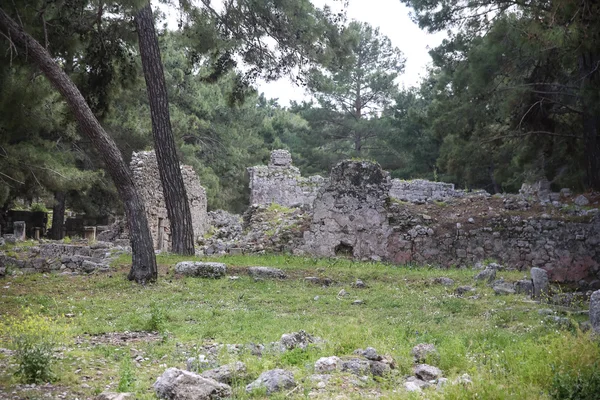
119	338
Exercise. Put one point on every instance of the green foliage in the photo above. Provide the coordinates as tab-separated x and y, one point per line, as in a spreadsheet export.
576	384
38	207
33	338
126	375
157	320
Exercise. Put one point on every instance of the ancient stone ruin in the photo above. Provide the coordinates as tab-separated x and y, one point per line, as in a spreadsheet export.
280	182
147	181
349	213
421	191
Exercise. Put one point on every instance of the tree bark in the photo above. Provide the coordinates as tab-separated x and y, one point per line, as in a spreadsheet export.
58	216
176	200
589	73
143	267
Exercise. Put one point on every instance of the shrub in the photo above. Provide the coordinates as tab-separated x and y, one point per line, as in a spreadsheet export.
33	339
38	207
572	384
157	318
126	375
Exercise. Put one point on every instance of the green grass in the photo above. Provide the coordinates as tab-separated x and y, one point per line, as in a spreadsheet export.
507	348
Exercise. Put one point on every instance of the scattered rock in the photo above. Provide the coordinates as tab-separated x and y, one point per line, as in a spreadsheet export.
379	368
356	366
266	273
501	287
444	281
327	364
461	290
226	373
359	284
488	275
595	311
358	302
427	372
201	269
422	351
114	396
524	286
200	363
411	386
273	380
581	200
176	384
299	339
464	379
342	293
539	277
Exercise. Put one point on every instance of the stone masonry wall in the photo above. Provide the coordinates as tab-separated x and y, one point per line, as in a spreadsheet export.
281	183
421	191
349	213
147	181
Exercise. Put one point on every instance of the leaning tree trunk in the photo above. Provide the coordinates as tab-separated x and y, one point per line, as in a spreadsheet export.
58	216
176	200
143	268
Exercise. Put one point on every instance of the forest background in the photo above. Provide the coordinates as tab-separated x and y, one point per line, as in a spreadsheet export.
512	96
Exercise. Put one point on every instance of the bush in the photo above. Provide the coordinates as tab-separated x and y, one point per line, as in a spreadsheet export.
33	339
581	384
38	207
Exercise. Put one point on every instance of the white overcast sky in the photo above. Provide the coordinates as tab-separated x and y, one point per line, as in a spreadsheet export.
392	17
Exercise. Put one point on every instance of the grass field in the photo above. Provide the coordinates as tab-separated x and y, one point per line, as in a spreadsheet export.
509	349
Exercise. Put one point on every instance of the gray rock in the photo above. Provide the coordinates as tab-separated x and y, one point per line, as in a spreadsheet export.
461	290
488	275
200	363
444	281
10	239
422	351
327	364
356	366
176	384
441	383
2	241
539	277
114	396
359	284
2	271
524	286
266	273
371	354
273	380
595	311
90	266
412	387
581	200
379	368
358	302
201	269
299	339
226	373
502	288
427	372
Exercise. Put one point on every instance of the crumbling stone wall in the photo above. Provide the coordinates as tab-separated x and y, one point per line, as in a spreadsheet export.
349	213
61	257
568	250
421	191
281	183
147	181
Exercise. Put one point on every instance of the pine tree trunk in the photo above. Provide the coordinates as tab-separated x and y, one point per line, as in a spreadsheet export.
590	81
58	216
143	268
176	200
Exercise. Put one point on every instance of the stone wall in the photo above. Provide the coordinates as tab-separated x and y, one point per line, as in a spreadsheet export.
421	191
147	181
281	183
60	257
569	250
349	213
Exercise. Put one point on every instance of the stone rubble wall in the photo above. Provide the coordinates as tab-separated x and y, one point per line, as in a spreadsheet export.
148	184
568	251
421	191
61	257
349	213
281	183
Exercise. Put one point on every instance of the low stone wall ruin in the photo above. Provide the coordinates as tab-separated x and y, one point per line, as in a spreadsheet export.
147	181
71	258
422	191
281	183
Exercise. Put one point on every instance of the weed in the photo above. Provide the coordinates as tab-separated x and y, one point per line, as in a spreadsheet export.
126	375
33	338
157	318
